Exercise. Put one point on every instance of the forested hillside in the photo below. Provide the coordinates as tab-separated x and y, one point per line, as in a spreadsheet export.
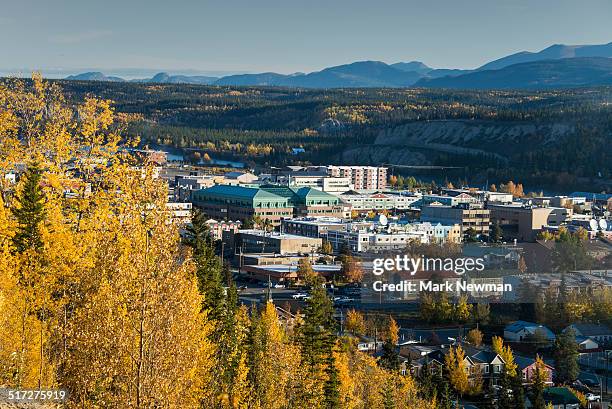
553	137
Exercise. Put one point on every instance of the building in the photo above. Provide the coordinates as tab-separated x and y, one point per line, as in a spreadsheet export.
468	216
527	368
376	202
184	185
362	177
312	226
259	241
600	199
481	195
150	155
448	200
239	178
561	398
362	240
179	212
309	202
479	364
216	227
282	273
600	333
520	331
438	232
241	203
521	222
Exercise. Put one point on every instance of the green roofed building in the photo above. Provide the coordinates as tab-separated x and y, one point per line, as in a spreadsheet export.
561	398
238	202
272	202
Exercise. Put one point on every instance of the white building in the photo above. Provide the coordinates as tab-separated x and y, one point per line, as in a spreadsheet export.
378	201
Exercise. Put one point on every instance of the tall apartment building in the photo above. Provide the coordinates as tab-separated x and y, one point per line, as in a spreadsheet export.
362	177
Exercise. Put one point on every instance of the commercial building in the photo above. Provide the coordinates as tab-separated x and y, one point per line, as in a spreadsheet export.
329	184
184	185
362	240
378	201
362	177
283	273
438	232
179	212
522	222
259	241
448	200
241	203
481	195
216	227
309	202
312	226
467	216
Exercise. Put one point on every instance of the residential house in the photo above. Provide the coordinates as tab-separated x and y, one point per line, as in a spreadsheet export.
520	331
527	368
600	333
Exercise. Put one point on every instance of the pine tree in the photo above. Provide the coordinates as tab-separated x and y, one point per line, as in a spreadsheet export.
331	389
518	393
317	333
208	265
566	357
29	212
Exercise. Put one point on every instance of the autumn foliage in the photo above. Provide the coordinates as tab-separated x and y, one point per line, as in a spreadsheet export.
99	295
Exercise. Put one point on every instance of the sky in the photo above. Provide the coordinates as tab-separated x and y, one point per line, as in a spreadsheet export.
199	36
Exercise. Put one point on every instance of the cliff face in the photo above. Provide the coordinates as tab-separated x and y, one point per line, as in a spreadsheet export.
419	143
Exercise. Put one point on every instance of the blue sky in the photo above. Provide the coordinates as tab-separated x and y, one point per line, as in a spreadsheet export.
286	36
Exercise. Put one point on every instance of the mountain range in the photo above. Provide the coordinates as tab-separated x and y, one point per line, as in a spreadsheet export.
558	66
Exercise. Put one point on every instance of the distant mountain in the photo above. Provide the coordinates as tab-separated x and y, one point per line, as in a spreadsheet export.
369	74
166	78
445	72
93	76
554	52
560	73
415	66
358	74
263	79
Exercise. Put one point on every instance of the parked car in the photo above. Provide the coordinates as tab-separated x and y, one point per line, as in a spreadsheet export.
299	296
591	397
279	285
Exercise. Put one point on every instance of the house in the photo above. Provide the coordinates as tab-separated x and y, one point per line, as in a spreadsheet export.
600	333
478	363
527	368
586	343
484	363
519	331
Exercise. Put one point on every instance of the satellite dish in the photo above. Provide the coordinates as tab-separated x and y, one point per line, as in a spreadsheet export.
603	224
593	223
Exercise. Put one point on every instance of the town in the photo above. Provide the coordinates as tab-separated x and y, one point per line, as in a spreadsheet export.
275	228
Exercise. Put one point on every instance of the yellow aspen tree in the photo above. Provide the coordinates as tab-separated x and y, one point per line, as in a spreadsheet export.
457	371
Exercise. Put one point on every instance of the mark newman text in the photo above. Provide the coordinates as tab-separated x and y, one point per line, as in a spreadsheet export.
448	286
